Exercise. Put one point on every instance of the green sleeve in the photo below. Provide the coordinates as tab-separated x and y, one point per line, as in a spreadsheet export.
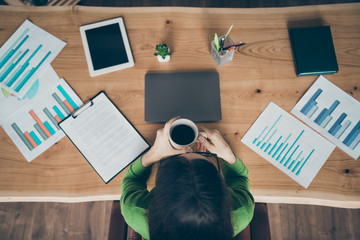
236	178
135	197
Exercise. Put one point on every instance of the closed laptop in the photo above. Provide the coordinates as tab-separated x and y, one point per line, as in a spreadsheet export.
193	95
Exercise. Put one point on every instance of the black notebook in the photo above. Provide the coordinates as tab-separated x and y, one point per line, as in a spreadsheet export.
313	51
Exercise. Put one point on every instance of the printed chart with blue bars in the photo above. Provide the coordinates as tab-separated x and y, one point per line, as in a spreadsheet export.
25	56
333	113
35	128
288	144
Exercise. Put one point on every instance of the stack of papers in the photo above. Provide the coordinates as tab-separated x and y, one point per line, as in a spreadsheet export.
296	149
33	99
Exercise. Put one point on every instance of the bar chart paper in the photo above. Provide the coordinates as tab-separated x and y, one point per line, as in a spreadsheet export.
9	102
34	126
25	56
333	113
288	144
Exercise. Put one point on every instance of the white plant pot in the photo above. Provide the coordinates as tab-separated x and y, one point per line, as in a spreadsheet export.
160	59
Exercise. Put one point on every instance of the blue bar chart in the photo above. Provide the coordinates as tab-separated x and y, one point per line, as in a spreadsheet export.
333	113
291	146
35	128
25	56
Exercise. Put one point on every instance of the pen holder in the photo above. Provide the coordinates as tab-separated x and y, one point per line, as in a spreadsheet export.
222	57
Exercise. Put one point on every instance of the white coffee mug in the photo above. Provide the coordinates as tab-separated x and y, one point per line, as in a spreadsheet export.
183	132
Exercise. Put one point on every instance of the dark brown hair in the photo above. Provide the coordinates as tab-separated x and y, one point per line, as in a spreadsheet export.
190	201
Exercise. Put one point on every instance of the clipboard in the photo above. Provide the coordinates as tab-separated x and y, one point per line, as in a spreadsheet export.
104	136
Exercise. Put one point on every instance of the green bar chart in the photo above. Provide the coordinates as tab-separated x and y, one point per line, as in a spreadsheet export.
288	144
25	57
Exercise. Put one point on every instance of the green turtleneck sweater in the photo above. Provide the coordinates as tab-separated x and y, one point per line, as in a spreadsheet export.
135	197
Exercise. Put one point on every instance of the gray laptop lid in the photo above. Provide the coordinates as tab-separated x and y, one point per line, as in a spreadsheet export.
194	95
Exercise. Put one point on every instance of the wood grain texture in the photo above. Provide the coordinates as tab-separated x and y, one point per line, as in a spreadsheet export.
71	221
297	222
208	3
262	71
91	220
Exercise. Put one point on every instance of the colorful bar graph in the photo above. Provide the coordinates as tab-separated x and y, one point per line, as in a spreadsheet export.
68	105
58	119
48	127
51	117
35	137
68	98
33	124
22	136
59	113
61	103
40	123
40	131
30	139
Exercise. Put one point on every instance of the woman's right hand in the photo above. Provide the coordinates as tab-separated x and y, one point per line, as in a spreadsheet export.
162	147
216	144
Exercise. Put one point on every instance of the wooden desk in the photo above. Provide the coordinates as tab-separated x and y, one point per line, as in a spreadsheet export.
262	71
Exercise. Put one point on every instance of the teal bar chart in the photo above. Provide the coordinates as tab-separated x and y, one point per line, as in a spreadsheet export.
288	144
25	57
333	113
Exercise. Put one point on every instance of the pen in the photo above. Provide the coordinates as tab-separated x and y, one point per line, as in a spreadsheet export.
231	49
234	45
222	44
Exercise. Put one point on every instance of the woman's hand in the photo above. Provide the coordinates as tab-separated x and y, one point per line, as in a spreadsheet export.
162	147
216	144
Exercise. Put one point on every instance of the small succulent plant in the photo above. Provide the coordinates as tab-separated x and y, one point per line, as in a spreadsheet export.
162	50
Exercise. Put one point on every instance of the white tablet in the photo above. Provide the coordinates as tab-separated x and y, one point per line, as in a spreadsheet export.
106	46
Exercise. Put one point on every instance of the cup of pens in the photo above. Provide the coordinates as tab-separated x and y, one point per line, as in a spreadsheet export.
219	51
223	48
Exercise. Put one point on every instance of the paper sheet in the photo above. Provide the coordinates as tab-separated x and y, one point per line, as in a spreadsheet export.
333	113
288	144
32	124
104	136
25	57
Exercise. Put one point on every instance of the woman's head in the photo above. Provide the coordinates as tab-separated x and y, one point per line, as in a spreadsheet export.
190	201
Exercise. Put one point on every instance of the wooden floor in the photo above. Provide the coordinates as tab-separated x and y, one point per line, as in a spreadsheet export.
91	220
87	221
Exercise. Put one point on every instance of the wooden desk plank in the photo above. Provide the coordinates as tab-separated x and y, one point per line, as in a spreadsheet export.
262	71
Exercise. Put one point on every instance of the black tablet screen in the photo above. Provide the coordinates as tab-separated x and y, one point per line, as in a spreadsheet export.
106	46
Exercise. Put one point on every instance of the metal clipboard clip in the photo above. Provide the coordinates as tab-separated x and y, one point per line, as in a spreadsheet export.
82	109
